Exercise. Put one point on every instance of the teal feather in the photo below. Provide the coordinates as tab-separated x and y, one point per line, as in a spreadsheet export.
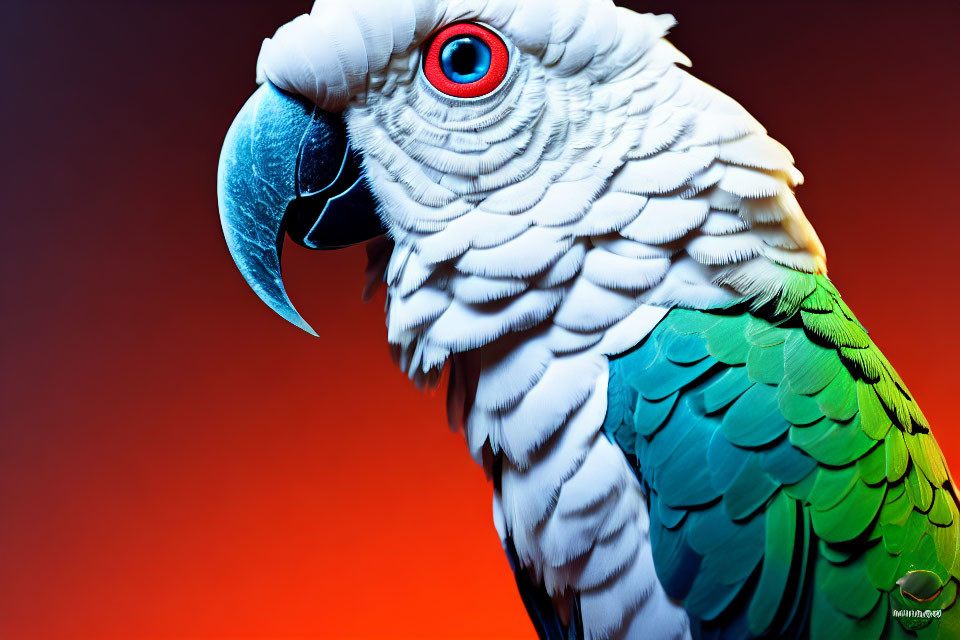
710	530
708	599
751	489
660	382
797	408
851	516
680	564
785	463
778	562
725	340
790	474
684	476
760	333
832	443
846	588
801	586
725	461
765	364
670	518
727	387
826	621
836	554
650	415
685	348
838	400
832	486
809	368
685	419
755	418
740	557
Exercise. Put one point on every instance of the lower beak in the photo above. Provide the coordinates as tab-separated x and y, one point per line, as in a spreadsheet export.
287	168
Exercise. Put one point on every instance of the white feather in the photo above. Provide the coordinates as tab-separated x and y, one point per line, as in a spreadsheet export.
722	250
475	290
721	223
610	213
531	22
718	127
770	210
664	128
610	555
521	196
412	277
593	483
689	283
623	335
605	609
541	412
462	327
721	200
775	236
480	427
705	180
747	183
564	342
664	220
398	262
663	172
632	248
758	152
531	253
799	260
529	495
565	539
507	377
415	310
477	229
566	202
657	620
564	269
451	160
612	271
588	307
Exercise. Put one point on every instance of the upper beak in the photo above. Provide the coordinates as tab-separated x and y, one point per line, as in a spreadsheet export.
287	167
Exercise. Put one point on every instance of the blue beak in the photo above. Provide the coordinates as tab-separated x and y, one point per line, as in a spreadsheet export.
287	168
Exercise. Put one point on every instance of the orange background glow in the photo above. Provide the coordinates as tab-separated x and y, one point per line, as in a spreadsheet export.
178	463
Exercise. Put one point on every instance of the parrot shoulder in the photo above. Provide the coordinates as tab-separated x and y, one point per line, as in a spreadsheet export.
792	479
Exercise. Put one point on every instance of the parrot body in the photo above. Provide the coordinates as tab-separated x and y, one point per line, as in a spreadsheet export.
688	432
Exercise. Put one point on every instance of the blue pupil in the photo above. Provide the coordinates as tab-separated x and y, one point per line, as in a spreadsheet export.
465	59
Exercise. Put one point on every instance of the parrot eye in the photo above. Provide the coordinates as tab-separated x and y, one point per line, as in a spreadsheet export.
466	60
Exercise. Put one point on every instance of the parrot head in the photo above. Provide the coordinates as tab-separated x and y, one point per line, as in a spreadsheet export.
496	145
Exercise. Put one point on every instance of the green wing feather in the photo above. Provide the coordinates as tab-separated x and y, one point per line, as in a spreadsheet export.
792	478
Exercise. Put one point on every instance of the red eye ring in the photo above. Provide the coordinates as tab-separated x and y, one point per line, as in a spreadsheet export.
494	63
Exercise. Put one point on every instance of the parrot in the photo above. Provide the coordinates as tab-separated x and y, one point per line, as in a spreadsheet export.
602	259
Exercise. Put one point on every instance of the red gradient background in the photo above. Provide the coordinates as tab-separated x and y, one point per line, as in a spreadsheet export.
176	462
